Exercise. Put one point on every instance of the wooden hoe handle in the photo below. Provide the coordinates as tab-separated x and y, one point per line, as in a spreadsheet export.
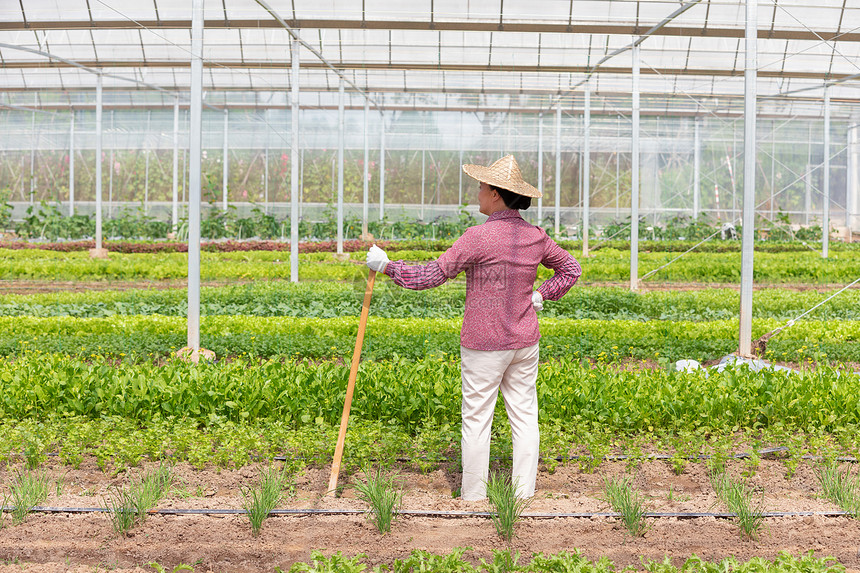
350	387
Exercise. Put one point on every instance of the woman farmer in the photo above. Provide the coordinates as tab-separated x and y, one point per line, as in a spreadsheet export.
499	337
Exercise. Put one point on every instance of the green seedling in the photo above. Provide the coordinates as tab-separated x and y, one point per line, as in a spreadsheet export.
505	507
130	507
121	510
259	501
28	490
148	490
621	497
60	484
503	561
738	498
751	464
840	487
181	567
383	496
678	463
337	563
420	560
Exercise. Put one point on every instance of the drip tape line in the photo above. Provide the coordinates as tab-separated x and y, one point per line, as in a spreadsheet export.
430	513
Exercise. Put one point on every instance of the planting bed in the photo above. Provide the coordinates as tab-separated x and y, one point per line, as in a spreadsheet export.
91	395
221	542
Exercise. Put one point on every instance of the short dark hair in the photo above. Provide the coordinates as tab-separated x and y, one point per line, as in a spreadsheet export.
513	200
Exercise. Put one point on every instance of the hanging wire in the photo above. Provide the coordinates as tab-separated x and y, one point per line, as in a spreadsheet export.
761	343
785	188
829	43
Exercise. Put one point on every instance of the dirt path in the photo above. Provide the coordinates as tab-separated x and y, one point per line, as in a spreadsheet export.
223	543
36	287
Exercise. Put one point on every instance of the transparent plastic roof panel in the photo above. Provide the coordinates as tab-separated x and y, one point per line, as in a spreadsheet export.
536	47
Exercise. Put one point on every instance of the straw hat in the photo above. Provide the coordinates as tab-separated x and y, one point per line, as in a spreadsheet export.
505	174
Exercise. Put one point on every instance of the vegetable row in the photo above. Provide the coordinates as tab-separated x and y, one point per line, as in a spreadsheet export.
412	394
230	336
605	265
326	299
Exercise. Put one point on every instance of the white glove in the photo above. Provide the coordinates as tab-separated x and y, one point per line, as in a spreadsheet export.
537	301
377	260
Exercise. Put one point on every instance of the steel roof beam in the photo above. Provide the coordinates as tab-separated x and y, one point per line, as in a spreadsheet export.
551	28
278	65
289	28
94	68
651	112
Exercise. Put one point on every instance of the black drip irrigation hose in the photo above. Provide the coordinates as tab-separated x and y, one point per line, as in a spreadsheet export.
430	513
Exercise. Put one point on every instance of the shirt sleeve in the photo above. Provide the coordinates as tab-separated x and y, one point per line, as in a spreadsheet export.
451	263
567	271
415	277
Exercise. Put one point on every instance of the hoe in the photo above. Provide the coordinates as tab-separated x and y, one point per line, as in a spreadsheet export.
353	373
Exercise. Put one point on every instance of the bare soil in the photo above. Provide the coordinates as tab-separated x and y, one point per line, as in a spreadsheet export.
223	543
37	287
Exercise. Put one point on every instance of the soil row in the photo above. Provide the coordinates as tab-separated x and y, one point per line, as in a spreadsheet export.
224	542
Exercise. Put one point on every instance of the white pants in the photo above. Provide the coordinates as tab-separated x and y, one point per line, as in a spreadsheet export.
483	372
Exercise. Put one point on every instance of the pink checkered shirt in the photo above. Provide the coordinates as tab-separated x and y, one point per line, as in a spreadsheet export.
500	258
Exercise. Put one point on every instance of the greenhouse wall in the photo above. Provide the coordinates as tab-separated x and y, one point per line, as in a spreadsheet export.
423	154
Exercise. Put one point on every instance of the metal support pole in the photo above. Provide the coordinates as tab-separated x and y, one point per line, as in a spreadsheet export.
580	156
460	170
110	169
266	162
697	166
72	166
731	161
99	162
750	74
657	194
634	183
772	167
195	156
294	164
185	175
423	161
586	169
35	141
852	198
365	172
807	193
381	165
225	160
825	215
807	177
175	210
539	170
340	122
146	167
301	174
557	207
617	166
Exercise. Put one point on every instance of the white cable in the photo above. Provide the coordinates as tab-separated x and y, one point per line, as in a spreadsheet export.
840	291
808	29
